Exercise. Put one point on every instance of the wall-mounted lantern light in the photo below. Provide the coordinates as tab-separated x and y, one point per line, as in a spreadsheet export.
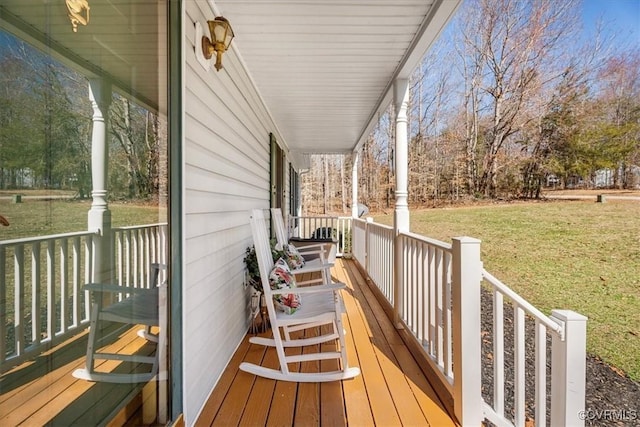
78	13
221	36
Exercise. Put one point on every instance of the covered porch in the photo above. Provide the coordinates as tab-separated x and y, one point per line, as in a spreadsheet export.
300	78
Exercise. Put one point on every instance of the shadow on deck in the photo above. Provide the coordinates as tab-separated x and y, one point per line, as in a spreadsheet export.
43	391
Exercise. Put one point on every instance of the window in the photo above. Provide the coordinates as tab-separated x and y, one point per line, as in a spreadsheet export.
91	154
294	191
277	174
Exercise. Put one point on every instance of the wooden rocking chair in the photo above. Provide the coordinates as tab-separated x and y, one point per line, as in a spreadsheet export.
321	305
317	256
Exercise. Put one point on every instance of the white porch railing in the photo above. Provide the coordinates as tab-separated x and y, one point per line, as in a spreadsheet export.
41	297
567	332
41	278
376	255
137	248
440	306
426	303
323	227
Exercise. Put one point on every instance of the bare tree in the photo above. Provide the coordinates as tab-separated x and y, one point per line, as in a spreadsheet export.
429	97
342	185
509	46
472	52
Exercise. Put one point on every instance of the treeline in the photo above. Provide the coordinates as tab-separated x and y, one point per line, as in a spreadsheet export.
45	130
511	99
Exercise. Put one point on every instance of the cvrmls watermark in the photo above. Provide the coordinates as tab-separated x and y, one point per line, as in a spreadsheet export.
609	415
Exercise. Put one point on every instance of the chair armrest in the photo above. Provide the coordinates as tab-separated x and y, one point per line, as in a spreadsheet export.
308	289
309	282
312	255
306	268
310	251
326	251
114	289
314	245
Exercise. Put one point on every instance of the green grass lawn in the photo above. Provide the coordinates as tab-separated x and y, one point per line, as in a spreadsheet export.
45	217
576	255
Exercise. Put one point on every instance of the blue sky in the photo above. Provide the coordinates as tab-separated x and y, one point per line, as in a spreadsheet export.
621	17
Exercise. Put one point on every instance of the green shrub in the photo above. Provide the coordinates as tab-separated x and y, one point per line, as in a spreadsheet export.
251	262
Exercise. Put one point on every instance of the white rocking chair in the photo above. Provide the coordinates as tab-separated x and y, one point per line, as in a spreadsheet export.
317	256
141	307
321	305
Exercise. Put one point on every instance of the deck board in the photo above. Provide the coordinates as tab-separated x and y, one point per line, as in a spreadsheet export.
391	390
44	392
426	397
382	404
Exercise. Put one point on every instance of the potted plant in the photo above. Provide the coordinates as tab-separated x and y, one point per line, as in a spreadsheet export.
253	278
251	262
253	272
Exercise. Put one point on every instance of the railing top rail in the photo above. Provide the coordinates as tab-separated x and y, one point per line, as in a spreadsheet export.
521	302
49	237
428	240
378	225
135	227
320	218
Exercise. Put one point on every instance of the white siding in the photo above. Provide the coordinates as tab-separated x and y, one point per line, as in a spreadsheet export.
226	173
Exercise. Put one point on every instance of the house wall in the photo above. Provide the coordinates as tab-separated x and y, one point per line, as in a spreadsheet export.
226	173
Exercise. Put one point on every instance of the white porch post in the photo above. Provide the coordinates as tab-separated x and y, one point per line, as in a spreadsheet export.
400	101
466	345
568	369
354	185
401	212
299	191
299	195
99	214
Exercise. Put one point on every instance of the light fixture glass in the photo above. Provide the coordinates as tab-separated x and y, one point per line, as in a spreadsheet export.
222	34
78	13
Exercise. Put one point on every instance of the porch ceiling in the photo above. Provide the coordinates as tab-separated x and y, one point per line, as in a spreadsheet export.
325	69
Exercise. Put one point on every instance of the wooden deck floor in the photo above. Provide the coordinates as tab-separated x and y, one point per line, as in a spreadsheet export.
392	390
44	392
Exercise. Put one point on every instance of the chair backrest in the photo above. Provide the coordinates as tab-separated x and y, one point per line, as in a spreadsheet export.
263	249
278	224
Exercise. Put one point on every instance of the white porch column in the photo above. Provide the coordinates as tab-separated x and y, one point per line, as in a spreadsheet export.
354	185
401	212
400	101
99	214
